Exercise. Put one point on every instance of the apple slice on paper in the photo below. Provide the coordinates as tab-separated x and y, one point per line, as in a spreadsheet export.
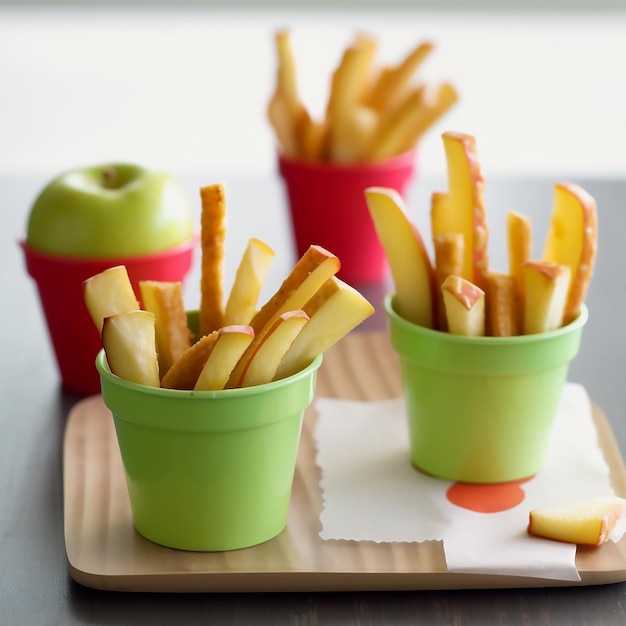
173	337
463	210
231	343
129	341
311	271
107	293
465	306
573	240
586	522
546	285
411	268
262	365
334	311
248	283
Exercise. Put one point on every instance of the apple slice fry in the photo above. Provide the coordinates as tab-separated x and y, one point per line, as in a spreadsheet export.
448	260
129	341
249	280
213	242
230	344
262	365
173	337
464	212
311	271
334	311
546	285
412	271
465	306
502	313
573	240
107	293
185	372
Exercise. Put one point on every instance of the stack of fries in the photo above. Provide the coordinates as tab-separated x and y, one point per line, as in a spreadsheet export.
372	113
236	345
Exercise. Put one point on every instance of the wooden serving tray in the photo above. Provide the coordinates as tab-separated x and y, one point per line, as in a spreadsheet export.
105	552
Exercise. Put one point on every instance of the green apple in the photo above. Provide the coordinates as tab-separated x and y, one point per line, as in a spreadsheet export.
110	211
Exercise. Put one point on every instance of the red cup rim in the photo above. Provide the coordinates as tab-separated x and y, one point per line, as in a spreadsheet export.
405	159
180	248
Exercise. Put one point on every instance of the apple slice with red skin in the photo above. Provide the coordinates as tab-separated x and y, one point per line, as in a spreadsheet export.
546	286
463	210
261	367
334	311
231	343
465	306
411	268
573	240
129	341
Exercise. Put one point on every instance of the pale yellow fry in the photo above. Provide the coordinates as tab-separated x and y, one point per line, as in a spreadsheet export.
393	82
519	247
348	82
213	244
282	122
249	280
286	76
356	133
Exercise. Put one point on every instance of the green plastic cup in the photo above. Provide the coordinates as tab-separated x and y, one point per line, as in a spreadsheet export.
481	409
209	470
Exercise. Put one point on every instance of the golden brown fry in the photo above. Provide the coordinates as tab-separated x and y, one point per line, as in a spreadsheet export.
348	83
448	249
213	243
184	373
393	81
311	138
173	337
501	304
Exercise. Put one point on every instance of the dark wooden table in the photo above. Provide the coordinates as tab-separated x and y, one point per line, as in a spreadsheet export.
35	587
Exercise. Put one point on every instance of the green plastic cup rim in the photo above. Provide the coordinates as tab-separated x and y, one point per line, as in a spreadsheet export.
103	368
579	322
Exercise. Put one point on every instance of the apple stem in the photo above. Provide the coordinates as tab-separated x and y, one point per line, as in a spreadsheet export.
109	178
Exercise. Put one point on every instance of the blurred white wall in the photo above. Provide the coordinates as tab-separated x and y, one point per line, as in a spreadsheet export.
187	89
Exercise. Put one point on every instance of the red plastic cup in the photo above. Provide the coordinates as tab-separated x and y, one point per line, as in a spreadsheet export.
74	337
327	207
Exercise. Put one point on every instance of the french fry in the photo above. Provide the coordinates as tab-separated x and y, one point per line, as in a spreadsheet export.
311	271
173	337
348	83
281	121
261	367
248	283
286	79
465	306
185	372
392	82
230	344
502	317
311	138
448	248
417	113
546	285
519	246
129	343
107	293
213	241
334	310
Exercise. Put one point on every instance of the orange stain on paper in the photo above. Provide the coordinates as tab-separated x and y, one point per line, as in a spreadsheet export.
487	498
